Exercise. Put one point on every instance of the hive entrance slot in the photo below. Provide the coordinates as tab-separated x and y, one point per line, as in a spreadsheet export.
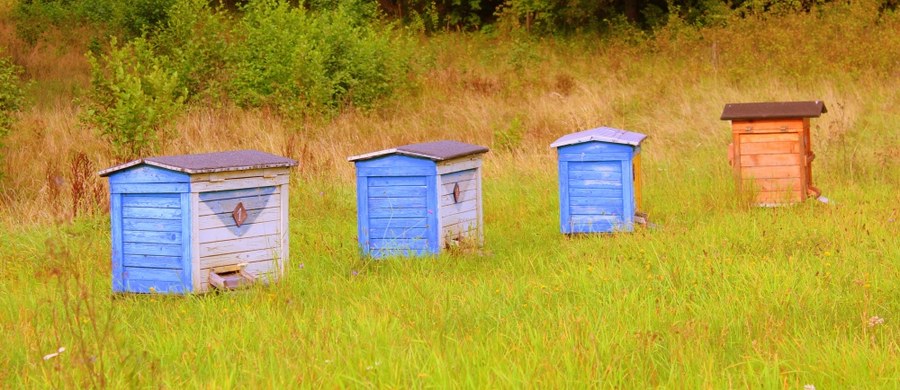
231	277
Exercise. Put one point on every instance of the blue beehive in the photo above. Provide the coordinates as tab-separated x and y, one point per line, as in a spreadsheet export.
187	223
599	180
419	198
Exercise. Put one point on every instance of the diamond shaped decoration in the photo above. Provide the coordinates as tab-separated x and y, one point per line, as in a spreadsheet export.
239	214
456	193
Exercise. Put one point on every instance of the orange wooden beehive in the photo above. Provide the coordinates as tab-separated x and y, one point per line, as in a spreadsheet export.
771	152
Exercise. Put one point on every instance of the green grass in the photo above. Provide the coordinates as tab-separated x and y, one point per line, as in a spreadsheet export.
718	295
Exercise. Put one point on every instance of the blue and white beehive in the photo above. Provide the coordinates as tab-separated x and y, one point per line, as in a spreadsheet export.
416	199
599	180
182	224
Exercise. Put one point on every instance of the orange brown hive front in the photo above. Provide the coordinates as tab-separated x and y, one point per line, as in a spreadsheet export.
771	153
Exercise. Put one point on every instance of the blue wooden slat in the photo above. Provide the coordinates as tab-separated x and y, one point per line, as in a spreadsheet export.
397	233
115	216
596	147
155	286
575	183
395	171
397	192
594	157
564	196
187	255
596	210
396	203
150	213
391	161
151	249
362	212
161	188
433	208
376	181
149	261
152	237
148	174
613	193
420	212
393	252
590	175
594	166
158	201
234	194
158	274
397	222
157	225
399	243
595	201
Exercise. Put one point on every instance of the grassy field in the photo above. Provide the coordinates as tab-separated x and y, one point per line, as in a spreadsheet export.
717	295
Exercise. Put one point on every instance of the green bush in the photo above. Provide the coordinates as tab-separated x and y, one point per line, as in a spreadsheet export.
132	99
314	61
195	39
10	97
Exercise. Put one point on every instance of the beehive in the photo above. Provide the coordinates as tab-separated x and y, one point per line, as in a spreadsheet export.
599	180
771	153
417	199
183	223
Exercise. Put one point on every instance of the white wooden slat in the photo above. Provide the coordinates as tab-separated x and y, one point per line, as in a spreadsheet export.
228	205
461	207
240	174
237	258
246	231
460	164
239	245
479	208
285	230
466	185
463	196
253	216
471	215
235	184
243	193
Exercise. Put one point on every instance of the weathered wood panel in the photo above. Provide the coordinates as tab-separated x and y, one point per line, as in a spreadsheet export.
157	201
765	160
236	184
397	192
391	203
375	181
397	222
768	125
239	245
145	224
790	184
224	206
595	201
769	148
152	261
151	213
226	220
419	212
237	258
147	174
247	230
240	174
776	172
398	232
132	248
595	184
769	137
152	237
265	272
242	193
154	274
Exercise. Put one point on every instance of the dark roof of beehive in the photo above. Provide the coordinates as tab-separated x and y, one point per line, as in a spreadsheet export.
237	160
773	110
436	151
601	134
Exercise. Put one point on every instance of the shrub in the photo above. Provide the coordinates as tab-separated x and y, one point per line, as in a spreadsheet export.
10	97
314	61
132	98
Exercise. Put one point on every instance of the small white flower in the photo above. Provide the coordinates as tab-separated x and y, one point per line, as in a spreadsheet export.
809	387
54	354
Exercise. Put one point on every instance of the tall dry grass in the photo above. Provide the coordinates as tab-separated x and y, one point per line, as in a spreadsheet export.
470	87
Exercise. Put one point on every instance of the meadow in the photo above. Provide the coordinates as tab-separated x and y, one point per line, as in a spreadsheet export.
718	294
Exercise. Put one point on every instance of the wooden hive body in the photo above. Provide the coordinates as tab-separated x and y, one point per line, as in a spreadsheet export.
771	154
417	205
171	229
599	180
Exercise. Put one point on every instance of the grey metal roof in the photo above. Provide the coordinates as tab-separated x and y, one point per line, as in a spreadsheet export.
600	134
237	160
773	110
436	151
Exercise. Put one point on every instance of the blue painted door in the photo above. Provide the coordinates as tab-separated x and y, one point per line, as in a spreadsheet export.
398	215
152	239
595	196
